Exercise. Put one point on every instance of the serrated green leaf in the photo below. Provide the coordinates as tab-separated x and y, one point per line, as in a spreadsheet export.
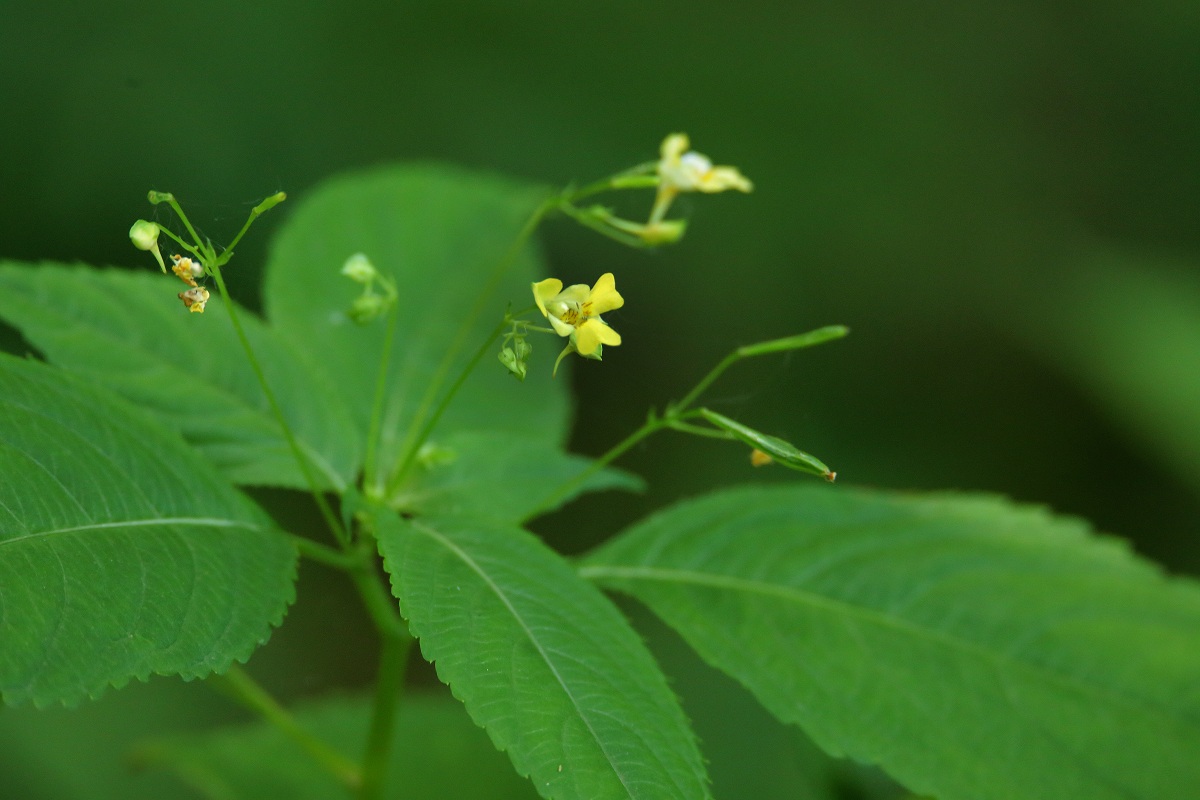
122	553
436	752
500	476
973	648
542	661
439	233
128	332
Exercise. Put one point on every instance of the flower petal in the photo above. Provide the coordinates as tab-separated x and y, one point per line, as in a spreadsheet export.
560	327
719	179
586	337
604	295
606	334
673	147
575	293
591	334
544	291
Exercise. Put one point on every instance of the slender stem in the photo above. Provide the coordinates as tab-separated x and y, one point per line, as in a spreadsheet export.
255	213
436	416
632	178
707	380
241	687
393	659
697	430
418	429
372	468
379	603
335	525
564	489
589	221
181	242
326	555
184	219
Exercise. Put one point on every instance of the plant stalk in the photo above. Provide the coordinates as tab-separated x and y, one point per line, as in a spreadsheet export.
241	687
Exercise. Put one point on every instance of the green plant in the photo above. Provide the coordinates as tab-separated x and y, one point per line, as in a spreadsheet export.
971	647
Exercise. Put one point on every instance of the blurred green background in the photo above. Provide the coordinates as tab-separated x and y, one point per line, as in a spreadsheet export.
1001	200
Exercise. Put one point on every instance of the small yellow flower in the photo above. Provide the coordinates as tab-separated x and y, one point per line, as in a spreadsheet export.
575	311
689	171
186	270
683	170
194	299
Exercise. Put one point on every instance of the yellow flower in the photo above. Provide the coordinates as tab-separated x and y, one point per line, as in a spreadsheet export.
688	171
186	270
575	311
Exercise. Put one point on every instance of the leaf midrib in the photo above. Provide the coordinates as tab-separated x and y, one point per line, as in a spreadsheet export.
474	567
874	616
206	522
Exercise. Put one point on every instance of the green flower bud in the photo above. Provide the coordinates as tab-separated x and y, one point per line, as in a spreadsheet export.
359	269
664	232
512	363
366	308
144	236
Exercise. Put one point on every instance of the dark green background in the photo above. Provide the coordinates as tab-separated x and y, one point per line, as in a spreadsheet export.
941	177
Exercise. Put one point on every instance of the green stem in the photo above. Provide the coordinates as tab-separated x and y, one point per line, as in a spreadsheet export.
393	659
436	416
589	221
323	554
706	381
676	414
418	428
372	468
171	201
380	605
697	430
652	425
335	525
241	687
255	213
180	241
632	178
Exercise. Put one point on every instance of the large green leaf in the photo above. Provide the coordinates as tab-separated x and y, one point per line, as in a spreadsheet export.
973	648
122	553
501	476
542	661
128	332
440	234
436	752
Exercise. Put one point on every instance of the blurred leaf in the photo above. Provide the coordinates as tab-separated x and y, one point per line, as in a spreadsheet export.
1132	336
542	661
502	477
437	752
973	648
121	552
439	233
81	753
127	331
